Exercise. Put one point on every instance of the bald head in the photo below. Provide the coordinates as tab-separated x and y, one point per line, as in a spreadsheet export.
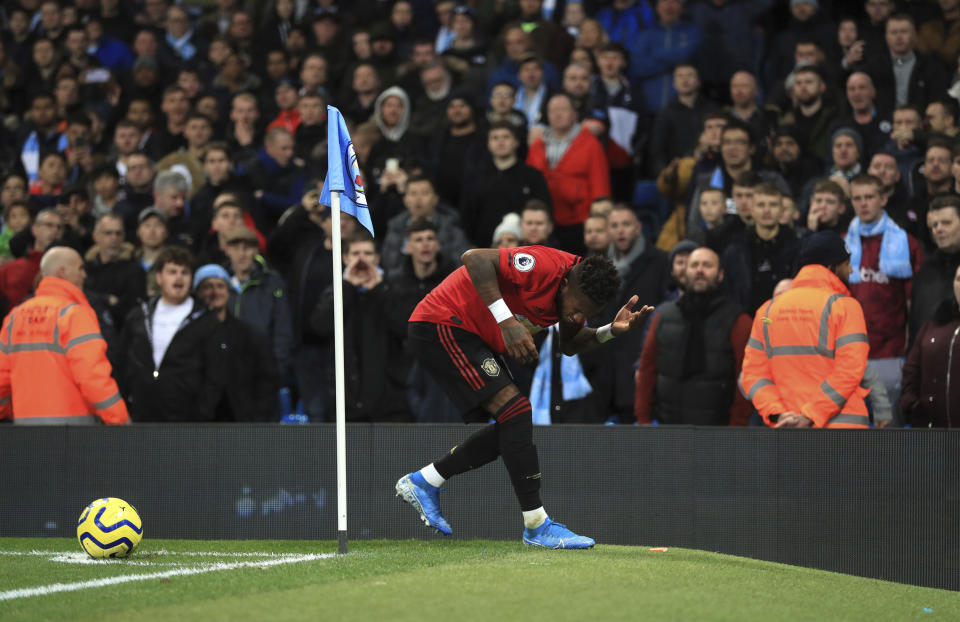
64	263
703	271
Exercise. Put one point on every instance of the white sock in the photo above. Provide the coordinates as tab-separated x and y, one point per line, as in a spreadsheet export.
534	518
430	474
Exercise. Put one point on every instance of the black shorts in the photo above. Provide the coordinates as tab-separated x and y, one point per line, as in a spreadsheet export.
460	361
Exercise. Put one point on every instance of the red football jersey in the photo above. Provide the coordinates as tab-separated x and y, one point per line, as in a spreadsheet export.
529	279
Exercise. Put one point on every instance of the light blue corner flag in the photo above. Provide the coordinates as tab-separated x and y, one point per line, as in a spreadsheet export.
343	173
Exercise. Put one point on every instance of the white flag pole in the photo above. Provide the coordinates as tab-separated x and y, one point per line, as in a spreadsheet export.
338	360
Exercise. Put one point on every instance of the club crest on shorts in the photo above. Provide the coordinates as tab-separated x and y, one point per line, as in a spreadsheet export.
490	368
524	262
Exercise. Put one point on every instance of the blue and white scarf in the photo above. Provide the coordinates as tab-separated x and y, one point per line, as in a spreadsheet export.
530	106
575	384
182	46
894	248
30	154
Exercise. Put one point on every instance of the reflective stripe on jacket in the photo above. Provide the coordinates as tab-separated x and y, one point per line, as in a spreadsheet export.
807	353
53	361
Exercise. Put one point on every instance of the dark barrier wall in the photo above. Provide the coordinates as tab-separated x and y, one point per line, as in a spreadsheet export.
881	503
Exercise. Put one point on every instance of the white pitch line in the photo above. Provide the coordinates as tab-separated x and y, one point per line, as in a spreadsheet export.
157	552
54	588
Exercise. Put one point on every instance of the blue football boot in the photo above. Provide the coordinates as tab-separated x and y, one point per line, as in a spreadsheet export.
553	535
425	499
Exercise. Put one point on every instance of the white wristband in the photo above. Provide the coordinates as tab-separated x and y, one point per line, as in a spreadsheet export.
500	310
604	333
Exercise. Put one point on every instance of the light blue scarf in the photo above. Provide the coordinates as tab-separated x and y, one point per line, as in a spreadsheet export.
30	154
894	248
184	48
575	384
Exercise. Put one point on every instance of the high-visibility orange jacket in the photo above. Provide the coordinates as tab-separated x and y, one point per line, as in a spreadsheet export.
53	361
807	352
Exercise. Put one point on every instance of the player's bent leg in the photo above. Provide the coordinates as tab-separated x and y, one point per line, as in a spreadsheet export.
515	420
425	499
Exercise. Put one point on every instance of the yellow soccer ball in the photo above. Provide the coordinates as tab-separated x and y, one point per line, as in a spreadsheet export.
109	527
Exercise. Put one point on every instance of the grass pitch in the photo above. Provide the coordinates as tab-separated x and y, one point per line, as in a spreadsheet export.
435	580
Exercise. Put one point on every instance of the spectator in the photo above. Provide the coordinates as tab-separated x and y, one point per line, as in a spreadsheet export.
106	188
220	178
16	218
197	132
796	167
420	200
656	51
278	181
935	179
392	116
927	399
536	224
811	114
502	184
618	105
644	270
678	124
423	271
375	374
503	97
56	357
906	140
152	236
312	131
828	208
170	197
940	116
743	95
244	134
883	259
364	88
172	367
905	75
718	227
534	91
806	23
518	46
846	149
137	187
763	255
112	272
175	107
883	166
212	245
627	19
687	373
434	85
550	40
258	295
49	183
596	235
508	233
872	123
17	277
251	381
574	167
820	388
456	146
933	282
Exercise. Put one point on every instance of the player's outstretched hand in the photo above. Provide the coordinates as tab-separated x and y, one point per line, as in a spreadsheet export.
518	341
627	319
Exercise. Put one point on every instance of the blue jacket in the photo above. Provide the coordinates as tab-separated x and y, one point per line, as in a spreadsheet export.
653	55
729	41
624	26
113	54
507	72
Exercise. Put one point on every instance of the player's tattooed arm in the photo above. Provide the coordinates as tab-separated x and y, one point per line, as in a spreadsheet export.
483	265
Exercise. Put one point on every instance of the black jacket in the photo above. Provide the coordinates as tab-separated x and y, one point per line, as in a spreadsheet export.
748	279
928	80
191	376
932	284
676	131
491	193
375	369
252	382
407	290
123	278
610	368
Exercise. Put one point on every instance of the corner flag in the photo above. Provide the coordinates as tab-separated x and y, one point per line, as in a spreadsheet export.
343	173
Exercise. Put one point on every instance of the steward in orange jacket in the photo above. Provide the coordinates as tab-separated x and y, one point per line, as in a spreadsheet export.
808	348
53	360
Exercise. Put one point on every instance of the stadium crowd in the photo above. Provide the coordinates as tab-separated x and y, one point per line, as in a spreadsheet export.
180	149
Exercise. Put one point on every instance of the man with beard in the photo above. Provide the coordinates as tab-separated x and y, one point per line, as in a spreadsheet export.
811	116
687	374
455	147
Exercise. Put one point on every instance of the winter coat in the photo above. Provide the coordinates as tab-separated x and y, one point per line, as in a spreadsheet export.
932	284
491	193
653	55
797	362
929	397
191	377
123	277
581	176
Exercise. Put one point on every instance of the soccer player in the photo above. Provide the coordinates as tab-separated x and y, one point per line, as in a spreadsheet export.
491	306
